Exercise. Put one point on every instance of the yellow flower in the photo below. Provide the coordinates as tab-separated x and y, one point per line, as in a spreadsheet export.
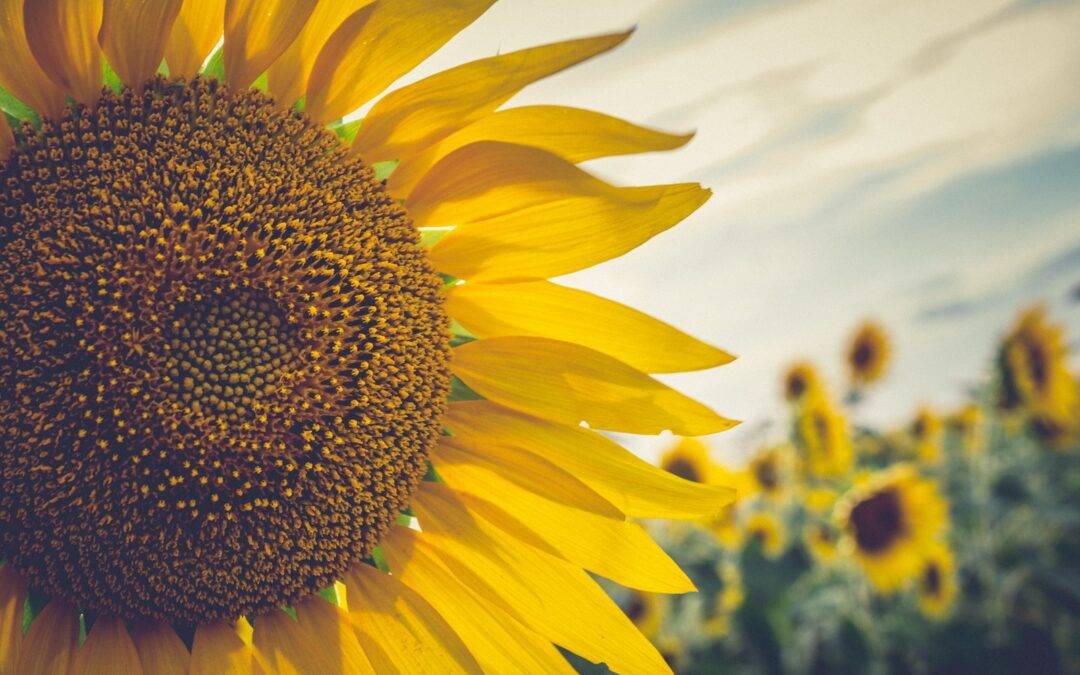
822	436
766	528
967	423
936	586
819	500
725	527
820	540
888	523
689	459
926	431
1035	379
800	380
237	326
868	354
768	471
647	611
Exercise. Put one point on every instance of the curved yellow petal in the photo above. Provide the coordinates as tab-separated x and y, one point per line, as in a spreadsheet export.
321	639
194	34
373	49
610	547
555	598
257	32
574	134
487	179
7	139
220	648
160	649
413	117
544	309
287	77
497	641
50	644
20	73
133	36
535	474
401	630
12	604
108	649
638	488
63	38
567	383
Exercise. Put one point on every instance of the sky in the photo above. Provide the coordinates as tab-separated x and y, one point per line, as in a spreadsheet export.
915	162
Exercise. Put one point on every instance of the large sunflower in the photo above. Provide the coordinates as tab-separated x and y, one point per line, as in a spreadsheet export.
889	522
228	379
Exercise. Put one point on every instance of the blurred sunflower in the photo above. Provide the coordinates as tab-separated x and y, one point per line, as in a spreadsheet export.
646	610
689	459
822	436
799	380
731	596
765	528
820	540
936	586
926	431
227	377
768	471
1035	378
868	354
819	500
889	521
967	424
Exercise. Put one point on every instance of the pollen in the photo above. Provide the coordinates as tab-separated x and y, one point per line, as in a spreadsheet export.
223	355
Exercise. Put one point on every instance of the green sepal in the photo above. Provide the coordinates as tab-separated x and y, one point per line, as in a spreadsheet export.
379	558
262	83
459	391
384	169
215	67
429	236
346	131
17	110
109	77
432	475
330	594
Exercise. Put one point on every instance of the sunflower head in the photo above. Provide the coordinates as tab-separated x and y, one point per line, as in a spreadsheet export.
689	459
768	531
888	521
1033	366
926	435
646	611
801	379
868	354
822	437
936	585
768	471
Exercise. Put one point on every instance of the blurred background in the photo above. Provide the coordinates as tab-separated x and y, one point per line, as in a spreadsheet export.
908	496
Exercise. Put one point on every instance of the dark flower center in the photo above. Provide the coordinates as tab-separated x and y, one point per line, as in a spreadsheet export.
223	355
683	468
878	521
932	580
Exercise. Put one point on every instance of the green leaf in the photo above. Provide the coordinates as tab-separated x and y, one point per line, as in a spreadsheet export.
380	559
383	169
18	110
459	391
330	594
215	67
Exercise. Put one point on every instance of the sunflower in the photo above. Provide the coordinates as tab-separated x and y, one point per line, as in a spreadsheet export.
766	529
868	354
768	472
820	540
819	500
1035	380
967	424
888	522
822	437
646	610
800	379
270	379
689	459
926	432
936	587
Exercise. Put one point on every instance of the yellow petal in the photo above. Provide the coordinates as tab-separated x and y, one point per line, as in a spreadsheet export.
373	49
220	649
320	640
610	547
523	471
556	599
257	32
7	139
638	488
193	36
413	117
108	649
497	641
160	649
63	38
133	36
12	604
403	633
287	77
323	619
574	134
567	383
20	73
50	644
544	309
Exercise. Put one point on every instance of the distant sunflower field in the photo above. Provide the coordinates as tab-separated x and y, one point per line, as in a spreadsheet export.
950	544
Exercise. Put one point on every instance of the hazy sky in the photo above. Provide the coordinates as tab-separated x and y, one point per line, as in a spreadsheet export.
918	162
